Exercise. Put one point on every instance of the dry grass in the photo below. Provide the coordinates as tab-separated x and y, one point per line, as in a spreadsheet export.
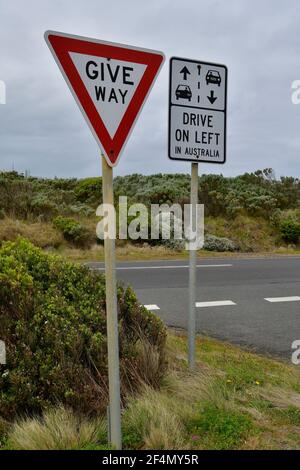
58	429
147	368
127	252
149	422
131	252
95	253
41	234
250	233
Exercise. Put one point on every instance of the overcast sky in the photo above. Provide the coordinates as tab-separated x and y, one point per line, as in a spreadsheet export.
43	131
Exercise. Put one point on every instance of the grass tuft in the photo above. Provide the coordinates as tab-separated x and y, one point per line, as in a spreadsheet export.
149	422
57	429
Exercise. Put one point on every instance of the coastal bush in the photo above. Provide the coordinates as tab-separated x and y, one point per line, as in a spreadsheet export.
53	323
290	231
72	231
213	243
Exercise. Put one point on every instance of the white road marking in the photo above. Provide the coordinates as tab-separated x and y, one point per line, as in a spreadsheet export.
166	267
294	298
216	303
152	307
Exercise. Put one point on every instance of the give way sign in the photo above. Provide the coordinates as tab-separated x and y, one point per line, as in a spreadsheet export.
110	83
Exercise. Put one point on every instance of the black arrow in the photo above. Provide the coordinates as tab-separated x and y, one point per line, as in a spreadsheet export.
212	98
185	71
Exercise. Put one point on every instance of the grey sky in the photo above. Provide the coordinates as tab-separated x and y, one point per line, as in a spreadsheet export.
43	130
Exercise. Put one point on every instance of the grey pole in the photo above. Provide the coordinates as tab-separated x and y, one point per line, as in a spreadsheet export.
192	270
112	316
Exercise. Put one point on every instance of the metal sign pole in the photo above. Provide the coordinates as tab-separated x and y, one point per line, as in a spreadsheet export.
111	313
193	269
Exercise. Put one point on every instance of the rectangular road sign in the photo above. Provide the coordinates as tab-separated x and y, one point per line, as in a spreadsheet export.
197	111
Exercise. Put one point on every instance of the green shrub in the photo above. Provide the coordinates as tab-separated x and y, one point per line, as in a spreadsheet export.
82	209
290	231
89	190
42	207
213	243
256	194
72	231
53	322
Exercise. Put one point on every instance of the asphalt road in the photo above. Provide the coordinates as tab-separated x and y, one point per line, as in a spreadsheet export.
231	298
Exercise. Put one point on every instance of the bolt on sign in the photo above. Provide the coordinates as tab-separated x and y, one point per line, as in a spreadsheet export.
110	83
197	111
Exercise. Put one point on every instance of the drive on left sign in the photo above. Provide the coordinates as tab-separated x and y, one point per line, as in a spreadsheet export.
110	83
197	111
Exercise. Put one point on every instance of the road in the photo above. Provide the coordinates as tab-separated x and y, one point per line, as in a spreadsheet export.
253	302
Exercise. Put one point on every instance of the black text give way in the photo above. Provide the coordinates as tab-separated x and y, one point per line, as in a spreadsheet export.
117	76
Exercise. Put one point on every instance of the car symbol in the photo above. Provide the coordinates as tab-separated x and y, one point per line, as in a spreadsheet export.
213	77
184	92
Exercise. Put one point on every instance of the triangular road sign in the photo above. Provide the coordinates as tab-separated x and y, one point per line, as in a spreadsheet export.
110	83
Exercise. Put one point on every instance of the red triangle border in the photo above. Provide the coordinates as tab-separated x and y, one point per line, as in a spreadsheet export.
61	45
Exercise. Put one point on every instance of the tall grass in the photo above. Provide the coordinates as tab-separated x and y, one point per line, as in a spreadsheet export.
150	422
58	428
41	234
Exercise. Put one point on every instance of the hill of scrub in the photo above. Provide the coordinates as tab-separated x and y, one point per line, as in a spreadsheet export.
255	211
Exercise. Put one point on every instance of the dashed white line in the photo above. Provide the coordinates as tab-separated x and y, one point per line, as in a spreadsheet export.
294	298
224	303
215	303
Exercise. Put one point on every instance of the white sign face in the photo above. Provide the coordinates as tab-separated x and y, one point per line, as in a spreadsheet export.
197	111
111	85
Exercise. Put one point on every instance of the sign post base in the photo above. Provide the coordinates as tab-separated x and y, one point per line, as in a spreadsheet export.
111	312
193	270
